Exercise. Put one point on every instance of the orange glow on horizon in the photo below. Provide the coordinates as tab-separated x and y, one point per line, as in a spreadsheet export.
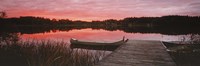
52	16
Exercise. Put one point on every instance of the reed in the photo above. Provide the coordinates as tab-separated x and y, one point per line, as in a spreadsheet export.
46	53
187	53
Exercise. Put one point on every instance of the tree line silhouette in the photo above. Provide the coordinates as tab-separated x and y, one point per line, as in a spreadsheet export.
172	20
171	24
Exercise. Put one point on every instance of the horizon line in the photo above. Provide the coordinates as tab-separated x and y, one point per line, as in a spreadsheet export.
100	20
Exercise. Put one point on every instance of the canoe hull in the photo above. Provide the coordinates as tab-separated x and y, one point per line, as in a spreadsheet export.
95	45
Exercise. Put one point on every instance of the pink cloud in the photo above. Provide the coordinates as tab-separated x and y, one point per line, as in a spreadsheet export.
99	9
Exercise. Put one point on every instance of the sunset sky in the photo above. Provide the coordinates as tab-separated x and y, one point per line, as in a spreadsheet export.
99	9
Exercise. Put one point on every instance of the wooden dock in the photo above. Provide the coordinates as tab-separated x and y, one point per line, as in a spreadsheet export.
139	53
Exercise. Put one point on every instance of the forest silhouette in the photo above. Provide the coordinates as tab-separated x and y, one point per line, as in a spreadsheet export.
171	24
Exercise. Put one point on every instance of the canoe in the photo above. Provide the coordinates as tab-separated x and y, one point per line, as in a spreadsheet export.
117	43
96	45
174	47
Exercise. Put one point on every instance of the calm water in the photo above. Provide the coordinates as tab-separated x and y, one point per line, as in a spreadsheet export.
97	36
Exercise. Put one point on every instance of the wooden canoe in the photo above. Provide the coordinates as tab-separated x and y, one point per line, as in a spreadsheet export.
96	45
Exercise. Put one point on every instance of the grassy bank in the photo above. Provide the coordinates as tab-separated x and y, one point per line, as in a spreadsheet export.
45	53
184	54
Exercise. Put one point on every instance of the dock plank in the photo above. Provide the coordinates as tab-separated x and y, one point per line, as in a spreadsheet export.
138	53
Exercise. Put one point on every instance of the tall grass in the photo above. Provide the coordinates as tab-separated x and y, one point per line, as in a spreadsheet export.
46	53
188	52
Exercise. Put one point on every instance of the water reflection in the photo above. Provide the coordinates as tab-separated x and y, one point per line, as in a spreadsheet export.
98	35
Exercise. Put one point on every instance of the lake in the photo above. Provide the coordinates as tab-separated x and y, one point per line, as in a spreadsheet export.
97	35
34	53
